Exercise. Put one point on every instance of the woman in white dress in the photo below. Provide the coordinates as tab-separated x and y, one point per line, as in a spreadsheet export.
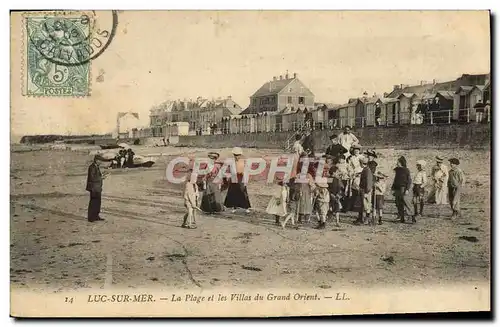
439	190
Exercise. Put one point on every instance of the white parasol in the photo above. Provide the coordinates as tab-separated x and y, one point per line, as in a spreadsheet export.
124	145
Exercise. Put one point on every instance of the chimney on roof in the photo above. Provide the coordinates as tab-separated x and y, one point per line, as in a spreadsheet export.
294	75
274	78
281	77
286	75
229	97
396	87
434	81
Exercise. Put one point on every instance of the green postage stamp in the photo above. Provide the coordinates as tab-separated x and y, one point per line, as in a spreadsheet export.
57	55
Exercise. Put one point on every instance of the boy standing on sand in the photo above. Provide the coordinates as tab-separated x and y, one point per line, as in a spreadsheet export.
380	189
322	202
336	189
365	192
191	196
456	182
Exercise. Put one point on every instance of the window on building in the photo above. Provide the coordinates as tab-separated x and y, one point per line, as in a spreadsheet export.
289	100
301	100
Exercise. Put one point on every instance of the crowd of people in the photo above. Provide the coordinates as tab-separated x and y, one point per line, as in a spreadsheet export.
123	159
355	183
211	191
351	181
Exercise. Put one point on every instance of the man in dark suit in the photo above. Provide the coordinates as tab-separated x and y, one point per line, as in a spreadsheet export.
94	186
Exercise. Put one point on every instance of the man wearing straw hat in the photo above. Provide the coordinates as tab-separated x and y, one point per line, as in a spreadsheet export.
94	186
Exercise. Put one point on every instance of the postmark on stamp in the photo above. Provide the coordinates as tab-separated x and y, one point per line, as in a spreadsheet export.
59	50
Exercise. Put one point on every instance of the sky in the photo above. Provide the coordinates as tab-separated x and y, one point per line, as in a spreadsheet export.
167	55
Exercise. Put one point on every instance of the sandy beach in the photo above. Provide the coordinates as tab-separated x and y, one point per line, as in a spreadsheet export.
141	244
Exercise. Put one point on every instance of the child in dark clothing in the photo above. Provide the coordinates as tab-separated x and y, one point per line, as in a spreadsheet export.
336	189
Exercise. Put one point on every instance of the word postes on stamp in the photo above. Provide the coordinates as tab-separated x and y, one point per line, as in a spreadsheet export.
59	48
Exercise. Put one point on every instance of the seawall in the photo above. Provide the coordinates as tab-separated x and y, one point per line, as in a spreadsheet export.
471	136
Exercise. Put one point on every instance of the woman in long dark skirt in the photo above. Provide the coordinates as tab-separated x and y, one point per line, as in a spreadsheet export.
237	195
211	201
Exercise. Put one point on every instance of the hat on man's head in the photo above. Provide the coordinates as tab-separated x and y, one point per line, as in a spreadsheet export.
347	126
371	153
439	159
213	155
454	161
237	151
355	146
333	136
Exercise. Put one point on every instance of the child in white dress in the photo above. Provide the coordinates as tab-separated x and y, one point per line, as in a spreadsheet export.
277	206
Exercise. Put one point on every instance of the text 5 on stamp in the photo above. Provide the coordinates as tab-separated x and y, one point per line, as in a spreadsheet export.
59	48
